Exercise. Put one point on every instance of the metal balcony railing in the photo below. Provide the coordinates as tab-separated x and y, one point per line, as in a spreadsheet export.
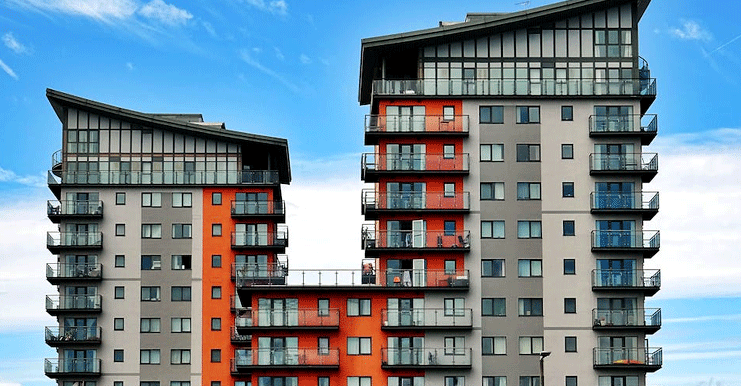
56	160
56	336
425	357
246	177
401	279
426	318
626	162
314	357
648	318
626	240
276	270
258	208
74	208
54	367
73	303
612	279
623	124
373	200
414	163
625	201
412	239
311	318
645	87
415	124
276	239
646	358
59	240
57	272
241	339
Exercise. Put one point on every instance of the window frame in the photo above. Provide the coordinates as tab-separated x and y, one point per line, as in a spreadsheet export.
533	344
154	262
491	234
494	188
567	113
565	270
151	200
529	114
490	114
120	198
183	356
184	293
214	200
493	266
531	188
570	344
564	189
157	289
490	147
178	325
489	307
153	325
493	344
364	345
182	231
569	305
182	202
534	229
526	306
569	227
567	151
361	302
528	149
149	352
148	231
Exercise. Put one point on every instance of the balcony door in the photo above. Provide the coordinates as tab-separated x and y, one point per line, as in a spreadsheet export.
405	312
405	156
405	195
615	156
251	203
613	118
406	273
78	265
251	234
616	349
406	234
615	195
618	311
79	328
79	361
616	233
617	272
277	312
405	118
80	234
80	297
277	351
252	266
406	350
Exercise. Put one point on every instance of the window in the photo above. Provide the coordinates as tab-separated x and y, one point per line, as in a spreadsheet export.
153	200
215	261
528	114
528	153
494	345
454	306
149	357
179	356
494	381
492	152
151	262
568	228
567	113
118	355
151	231
567	151
492	229
528	230
215	355
491	114
180	262
150	294
531	345
449	189
358	307
455	345
493	307
182	200
455	381
179	383
120	229
118	324
181	231
323	345
492	268
450	266
118	383
215	198
612	43
448	113
448	151
449	227
492	190
120	198
149	383
567	189
215	230
569	305
118	292
180	294
216	292
119	261
358	381
180	325
530	307
323	307
529	380
530	268
149	325
322	381
277	381
528	190
569	267
215	324
570	344
358	346
571	380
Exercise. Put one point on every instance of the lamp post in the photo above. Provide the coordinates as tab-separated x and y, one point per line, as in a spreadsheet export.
543	355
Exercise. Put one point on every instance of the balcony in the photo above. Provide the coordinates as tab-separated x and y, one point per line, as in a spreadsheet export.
612	280
72	336
375	203
644	203
235	305
427	319
645	242
73	209
259	209
378	126
73	304
647	320
285	359
273	273
63	241
620	126
426	358
198	178
644	165
373	280
56	162
59	273
68	368
642	358
373	166
277	240
375	241
288	320
239	339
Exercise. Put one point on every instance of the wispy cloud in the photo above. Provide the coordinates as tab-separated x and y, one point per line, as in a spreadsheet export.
278	7
720	47
8	71
130	66
105	11
706	318
209	28
279	54
13	43
691	30
305	59
165	13
11	177
247	58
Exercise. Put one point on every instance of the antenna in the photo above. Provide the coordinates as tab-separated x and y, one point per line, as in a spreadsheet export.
524	4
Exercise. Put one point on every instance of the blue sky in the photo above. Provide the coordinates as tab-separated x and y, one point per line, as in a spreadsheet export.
290	69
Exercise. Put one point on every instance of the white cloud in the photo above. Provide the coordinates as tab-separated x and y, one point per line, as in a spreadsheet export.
305	59
695	379
106	11
10	176
704	318
209	28
130	66
247	58
691	30
8	70
165	13
278	53
279	7
13	43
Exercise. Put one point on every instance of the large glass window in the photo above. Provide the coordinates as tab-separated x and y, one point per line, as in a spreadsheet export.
530	307
492	229
492	268
529	230
491	114
492	190
530	268
493	307
492	152
528	190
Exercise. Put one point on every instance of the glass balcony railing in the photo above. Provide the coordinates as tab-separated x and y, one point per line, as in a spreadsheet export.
286	358
636	201
236	305
414	201
56	241
627	279
310	318
73	303
56	336
246	177
416	124
624	162
55	368
414	163
241	339
59	272
258	208
640	318
425	357
644	358
274	271
73	208
623	124
616	240
427	318
413	239
645	87
270	239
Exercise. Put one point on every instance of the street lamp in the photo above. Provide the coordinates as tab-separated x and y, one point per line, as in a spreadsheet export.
543	355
